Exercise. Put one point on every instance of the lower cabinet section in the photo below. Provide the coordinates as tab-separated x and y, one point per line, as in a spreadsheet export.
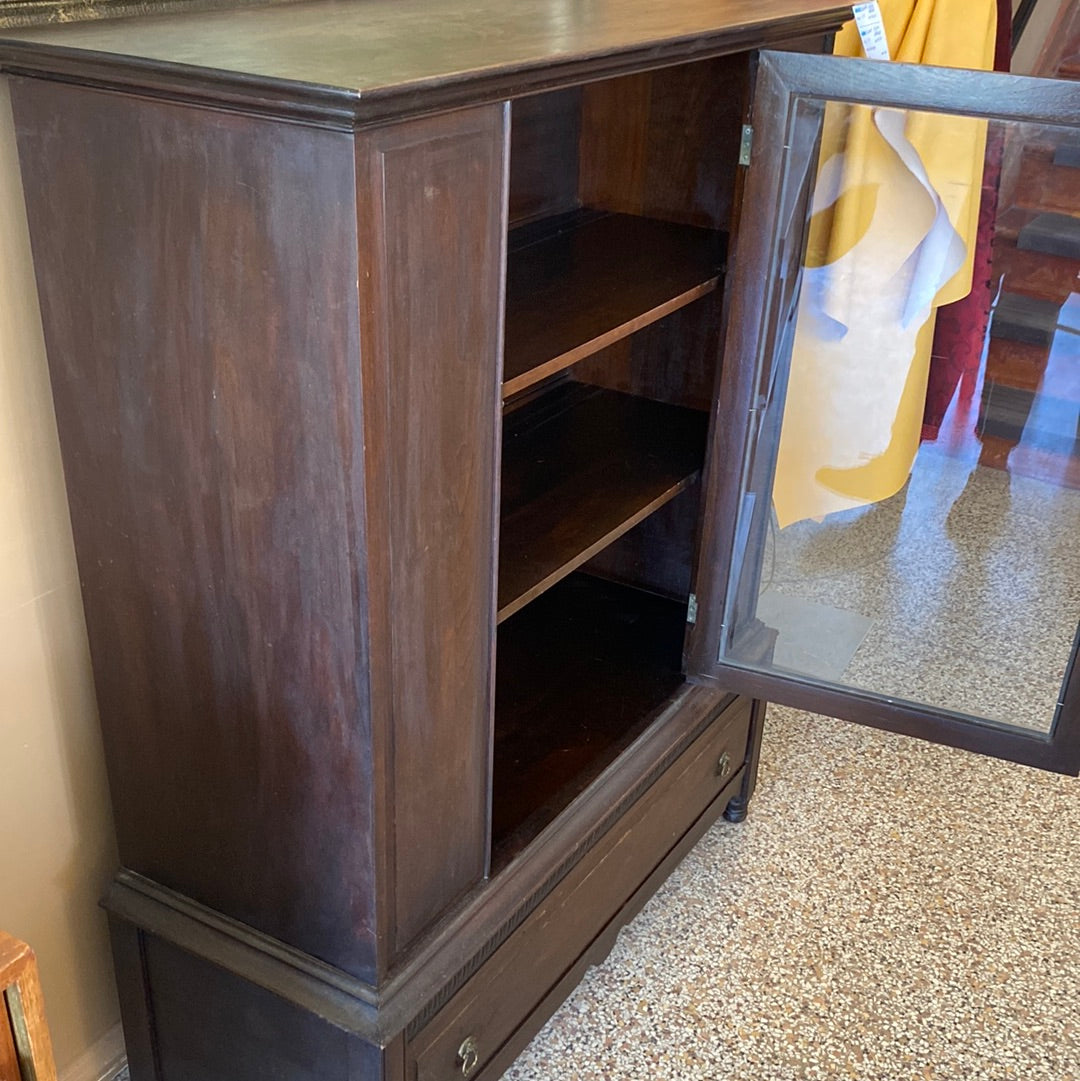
486	1024
207	999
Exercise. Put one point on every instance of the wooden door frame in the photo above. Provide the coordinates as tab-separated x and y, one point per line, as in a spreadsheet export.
784	80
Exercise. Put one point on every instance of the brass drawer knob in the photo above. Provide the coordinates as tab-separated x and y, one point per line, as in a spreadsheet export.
723	767
468	1055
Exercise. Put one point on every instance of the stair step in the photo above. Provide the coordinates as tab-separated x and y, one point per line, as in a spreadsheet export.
1068	154
1035	273
1016	364
1028	367
1055	234
1009	223
1027	319
1043	186
1007	414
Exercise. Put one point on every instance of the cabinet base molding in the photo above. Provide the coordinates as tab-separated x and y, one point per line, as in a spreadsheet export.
198	986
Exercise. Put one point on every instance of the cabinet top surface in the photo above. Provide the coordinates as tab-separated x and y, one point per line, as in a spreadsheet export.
349	51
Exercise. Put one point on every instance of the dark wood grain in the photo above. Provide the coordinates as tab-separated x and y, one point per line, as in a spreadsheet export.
136	1008
602	945
432	207
581	466
674	360
586	286
231	1029
582	671
767	262
283	345
660	143
340	62
776	304
446	956
544	159
1058	751
658	553
197	274
489	1008
739	805
231	980
992	94
665	143
494	912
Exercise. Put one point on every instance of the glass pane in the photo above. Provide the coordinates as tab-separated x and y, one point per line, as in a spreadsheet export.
914	530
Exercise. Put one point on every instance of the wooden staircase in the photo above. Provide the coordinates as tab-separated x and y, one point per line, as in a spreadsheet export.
1031	380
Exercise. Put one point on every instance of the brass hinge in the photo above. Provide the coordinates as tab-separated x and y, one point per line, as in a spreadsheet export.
745	143
691	609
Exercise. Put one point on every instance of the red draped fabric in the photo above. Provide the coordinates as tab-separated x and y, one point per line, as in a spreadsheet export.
960	330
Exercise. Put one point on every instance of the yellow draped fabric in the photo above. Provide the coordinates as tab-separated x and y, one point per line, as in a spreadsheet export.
892	237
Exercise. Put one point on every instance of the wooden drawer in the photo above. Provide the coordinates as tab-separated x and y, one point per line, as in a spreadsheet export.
576	918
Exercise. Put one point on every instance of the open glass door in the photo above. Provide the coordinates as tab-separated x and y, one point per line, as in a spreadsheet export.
893	511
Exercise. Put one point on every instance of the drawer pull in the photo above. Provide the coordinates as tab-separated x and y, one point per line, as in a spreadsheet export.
723	767
468	1055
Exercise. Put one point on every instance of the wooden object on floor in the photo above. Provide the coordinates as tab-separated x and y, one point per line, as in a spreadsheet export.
25	1046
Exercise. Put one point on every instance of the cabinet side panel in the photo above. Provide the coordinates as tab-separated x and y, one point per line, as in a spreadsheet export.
432	215
197	275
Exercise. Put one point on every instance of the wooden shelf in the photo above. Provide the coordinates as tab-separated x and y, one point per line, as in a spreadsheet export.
581	466
581	282
580	674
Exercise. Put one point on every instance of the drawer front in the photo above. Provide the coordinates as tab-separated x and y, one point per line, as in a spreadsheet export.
483	1015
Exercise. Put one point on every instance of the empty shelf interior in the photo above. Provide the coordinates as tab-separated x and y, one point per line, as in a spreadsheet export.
584	280
581	466
580	674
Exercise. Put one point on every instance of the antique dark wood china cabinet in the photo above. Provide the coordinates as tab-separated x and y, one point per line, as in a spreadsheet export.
407	360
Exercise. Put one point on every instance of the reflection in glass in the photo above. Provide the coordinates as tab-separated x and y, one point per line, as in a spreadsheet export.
916	533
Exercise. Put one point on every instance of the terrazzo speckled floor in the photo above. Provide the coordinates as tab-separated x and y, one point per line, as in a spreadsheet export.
968	580
890	911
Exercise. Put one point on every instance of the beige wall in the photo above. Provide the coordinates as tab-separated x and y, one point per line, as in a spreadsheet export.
1034	37
56	841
